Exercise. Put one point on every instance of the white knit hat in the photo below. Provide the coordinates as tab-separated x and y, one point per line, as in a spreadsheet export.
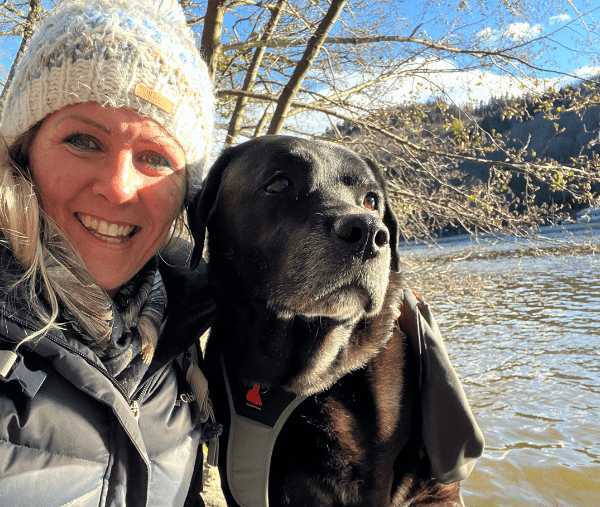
122	53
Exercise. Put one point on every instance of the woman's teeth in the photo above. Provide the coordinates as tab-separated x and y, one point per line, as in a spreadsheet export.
113	233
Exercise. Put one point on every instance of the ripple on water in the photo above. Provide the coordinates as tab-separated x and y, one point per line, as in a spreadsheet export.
527	350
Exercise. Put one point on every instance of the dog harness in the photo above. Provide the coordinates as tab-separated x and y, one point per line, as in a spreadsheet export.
257	418
451	436
256	421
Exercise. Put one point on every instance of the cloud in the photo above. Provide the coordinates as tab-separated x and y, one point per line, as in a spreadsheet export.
487	33
428	79
558	19
514	32
588	71
461	87
522	31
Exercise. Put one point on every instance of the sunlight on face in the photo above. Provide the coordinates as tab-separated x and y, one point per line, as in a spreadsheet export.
113	181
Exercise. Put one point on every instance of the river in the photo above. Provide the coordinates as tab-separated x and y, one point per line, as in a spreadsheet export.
523	333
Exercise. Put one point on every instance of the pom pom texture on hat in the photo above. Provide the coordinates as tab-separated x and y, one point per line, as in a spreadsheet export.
133	54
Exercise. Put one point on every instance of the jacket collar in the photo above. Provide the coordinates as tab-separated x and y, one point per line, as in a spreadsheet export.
191	311
190	305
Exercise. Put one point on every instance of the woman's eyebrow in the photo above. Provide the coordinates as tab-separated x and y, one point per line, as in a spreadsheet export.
85	119
163	139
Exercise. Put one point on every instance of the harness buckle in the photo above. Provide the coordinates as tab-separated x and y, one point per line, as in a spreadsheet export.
12	367
211	430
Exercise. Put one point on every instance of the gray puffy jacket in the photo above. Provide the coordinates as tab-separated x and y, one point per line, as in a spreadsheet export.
77	441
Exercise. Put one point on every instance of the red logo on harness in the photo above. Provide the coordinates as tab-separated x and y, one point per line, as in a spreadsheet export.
253	398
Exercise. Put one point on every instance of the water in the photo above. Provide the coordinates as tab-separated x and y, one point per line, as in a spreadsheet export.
523	333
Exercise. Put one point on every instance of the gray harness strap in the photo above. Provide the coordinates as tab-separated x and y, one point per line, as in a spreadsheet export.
450	433
252	438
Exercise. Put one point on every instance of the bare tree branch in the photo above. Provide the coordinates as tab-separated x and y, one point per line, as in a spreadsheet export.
312	49
453	162
210	44
252	72
504	53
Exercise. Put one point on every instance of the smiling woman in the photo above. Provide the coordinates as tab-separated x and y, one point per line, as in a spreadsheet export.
106	133
119	190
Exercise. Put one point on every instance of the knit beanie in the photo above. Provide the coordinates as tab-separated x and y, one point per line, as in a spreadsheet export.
131	54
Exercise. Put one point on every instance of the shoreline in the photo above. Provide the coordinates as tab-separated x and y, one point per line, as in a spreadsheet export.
546	231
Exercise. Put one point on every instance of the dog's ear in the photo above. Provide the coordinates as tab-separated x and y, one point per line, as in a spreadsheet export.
389	217
198	211
391	222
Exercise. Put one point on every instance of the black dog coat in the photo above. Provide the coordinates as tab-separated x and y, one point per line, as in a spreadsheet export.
451	436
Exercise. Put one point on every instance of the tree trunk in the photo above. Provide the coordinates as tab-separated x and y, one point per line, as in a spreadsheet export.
240	106
33	16
312	50
210	43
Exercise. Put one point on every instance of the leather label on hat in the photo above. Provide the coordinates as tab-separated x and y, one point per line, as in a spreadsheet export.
143	92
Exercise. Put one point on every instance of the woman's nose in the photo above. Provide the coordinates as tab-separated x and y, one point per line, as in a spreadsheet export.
117	180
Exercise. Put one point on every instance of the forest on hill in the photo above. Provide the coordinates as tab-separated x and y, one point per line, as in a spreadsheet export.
549	128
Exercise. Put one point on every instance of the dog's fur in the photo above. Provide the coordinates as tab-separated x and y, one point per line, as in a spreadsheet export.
302	245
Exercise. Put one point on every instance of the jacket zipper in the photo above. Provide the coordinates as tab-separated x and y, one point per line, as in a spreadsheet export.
134	404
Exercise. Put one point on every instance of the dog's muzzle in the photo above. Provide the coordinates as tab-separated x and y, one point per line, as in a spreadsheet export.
362	234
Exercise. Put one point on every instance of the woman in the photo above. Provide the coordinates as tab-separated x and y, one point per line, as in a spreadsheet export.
107	129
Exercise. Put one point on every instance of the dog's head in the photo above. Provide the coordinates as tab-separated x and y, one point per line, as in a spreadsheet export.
305	227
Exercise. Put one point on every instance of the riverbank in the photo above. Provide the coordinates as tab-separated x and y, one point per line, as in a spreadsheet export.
547	231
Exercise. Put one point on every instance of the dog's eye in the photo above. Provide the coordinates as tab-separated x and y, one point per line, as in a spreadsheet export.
370	202
279	185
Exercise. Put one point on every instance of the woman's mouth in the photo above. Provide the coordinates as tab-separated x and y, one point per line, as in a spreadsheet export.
106	231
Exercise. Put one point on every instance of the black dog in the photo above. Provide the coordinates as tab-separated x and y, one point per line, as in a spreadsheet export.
302	244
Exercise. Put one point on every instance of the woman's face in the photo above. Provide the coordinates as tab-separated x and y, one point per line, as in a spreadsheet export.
113	181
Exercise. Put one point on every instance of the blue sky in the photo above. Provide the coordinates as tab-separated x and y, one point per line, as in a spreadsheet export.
560	36
8	48
569	25
573	38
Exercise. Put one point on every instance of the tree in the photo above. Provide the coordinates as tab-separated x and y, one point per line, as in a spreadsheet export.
335	69
18	18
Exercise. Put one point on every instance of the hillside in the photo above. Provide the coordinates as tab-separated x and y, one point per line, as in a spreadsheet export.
544	130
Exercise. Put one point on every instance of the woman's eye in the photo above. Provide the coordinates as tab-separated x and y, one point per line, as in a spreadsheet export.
157	160
281	184
82	142
370	202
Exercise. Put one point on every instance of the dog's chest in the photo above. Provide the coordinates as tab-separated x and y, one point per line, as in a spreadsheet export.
339	447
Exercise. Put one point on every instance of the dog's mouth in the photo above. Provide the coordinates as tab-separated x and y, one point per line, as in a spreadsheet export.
341	303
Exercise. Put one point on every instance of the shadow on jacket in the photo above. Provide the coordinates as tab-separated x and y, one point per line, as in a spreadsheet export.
78	441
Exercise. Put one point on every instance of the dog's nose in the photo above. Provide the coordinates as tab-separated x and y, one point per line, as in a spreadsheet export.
362	234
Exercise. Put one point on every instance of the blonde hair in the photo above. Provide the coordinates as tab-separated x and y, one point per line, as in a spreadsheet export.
53	273
133	54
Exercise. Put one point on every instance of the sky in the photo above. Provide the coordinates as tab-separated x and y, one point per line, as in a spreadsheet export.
8	48
569	25
574	46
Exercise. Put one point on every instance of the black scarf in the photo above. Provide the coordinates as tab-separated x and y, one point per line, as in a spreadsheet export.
139	314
